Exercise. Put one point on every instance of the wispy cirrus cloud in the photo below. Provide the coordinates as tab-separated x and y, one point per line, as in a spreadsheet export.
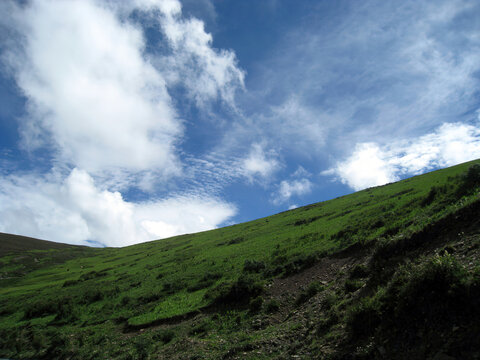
375	70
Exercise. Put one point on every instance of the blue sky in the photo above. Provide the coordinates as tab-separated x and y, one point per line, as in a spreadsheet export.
127	121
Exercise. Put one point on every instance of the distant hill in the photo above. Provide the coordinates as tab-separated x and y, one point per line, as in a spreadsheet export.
16	243
390	272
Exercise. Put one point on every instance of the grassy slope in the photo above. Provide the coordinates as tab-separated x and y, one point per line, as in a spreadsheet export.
10	243
90	303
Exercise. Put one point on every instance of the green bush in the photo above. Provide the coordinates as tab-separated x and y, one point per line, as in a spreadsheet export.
295	265
173	286
313	289
272	306
363	318
164	335
41	308
352	285
206	281
359	271
470	181
92	275
256	304
426	298
240	291
201	328
92	295
70	283
253	266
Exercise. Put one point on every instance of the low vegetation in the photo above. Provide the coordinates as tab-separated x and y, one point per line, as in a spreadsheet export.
389	272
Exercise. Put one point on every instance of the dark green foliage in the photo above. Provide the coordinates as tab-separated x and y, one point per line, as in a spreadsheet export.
430	197
164	335
125	300
363	318
70	283
256	304
92	295
171	287
65	313
236	240
470	181
306	221
61	307
420	299
352	285
313	289
288	267
253	266
359	271
202	328
92	275
41	308
145	299
272	306
240	291
206	281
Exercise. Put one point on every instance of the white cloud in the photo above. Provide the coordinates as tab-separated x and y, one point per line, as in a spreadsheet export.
74	210
99	101
94	93
90	90
205	72
366	167
258	163
371	164
296	187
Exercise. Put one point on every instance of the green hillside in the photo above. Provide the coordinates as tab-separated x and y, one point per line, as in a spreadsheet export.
10	243
321	281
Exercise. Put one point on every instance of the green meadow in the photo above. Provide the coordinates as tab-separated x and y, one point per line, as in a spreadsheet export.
203	295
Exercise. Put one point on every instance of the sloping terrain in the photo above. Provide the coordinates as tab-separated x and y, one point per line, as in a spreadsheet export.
10	243
389	272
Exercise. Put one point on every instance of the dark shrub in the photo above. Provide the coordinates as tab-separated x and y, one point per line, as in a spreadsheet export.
206	281
201	328
299	263
470	181
236	240
430	197
352	285
41	308
272	306
146	298
253	266
359	271
421	299
92	275
164	335
256	304
240	291
173	286
70	283
363	319
91	295
313	289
